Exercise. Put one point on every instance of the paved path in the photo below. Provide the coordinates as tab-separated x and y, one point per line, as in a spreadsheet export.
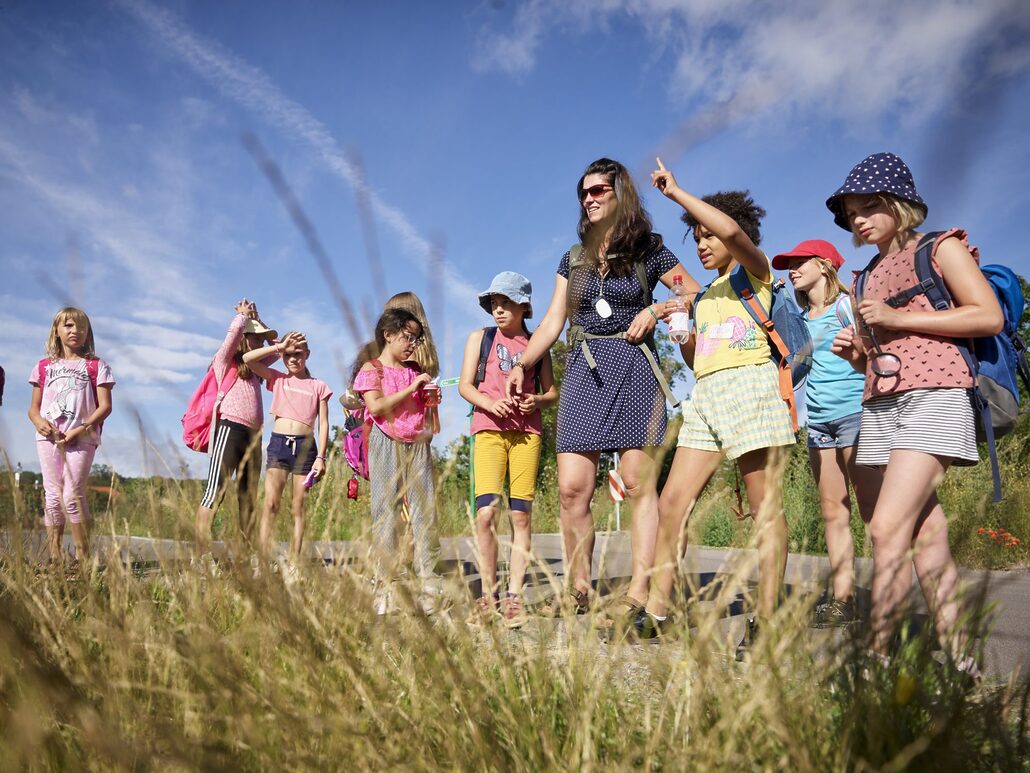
1008	647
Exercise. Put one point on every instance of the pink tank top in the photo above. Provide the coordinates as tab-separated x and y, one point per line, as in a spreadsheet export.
502	356
927	361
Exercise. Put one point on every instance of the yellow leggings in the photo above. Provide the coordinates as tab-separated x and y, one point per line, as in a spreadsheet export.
518	454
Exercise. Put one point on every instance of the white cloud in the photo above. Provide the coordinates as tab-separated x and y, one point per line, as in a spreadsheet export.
737	59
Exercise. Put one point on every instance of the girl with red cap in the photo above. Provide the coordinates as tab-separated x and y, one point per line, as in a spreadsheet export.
833	397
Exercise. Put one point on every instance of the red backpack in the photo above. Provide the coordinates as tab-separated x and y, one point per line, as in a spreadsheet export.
92	369
201	415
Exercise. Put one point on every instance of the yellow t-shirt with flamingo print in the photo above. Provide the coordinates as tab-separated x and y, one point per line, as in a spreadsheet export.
727	336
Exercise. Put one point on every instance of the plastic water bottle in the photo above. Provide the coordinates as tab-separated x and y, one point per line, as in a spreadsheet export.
679	321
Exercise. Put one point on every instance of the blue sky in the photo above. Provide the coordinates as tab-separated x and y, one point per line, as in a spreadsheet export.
125	187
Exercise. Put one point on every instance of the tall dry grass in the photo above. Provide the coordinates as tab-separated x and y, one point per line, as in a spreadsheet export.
207	667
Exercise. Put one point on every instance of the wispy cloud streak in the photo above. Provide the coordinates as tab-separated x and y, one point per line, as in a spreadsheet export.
253	89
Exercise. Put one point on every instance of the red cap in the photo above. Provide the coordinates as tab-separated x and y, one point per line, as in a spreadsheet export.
813	248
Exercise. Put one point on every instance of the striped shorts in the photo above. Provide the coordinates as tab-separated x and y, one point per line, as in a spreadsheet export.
941	422
735	411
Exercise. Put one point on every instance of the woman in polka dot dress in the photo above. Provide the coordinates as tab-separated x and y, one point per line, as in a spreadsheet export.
917	416
611	398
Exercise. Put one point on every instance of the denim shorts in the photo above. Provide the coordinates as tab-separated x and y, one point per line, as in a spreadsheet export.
838	433
295	453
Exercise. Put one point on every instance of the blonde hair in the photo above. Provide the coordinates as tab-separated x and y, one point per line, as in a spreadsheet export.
425	351
907	216
55	350
834	286
302	348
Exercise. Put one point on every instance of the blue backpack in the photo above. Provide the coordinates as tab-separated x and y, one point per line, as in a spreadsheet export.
994	360
785	325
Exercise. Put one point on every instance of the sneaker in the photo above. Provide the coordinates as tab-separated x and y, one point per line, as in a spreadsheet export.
835	614
512	610
644	625
748	640
576	602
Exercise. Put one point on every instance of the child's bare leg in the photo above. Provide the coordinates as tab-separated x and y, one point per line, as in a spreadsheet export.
275	481
909	481
762	471
690	472
938	576
486	545
521	545
205	517
300	494
639	474
831	479
865	481
577	472
54	536
80	537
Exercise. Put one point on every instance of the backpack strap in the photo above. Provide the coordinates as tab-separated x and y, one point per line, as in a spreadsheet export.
931	284
377	365
742	287
842	310
487	342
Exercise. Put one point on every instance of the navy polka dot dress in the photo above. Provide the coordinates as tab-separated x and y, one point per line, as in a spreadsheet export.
620	404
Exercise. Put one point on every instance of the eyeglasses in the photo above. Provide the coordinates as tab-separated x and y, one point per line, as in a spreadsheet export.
594	192
411	338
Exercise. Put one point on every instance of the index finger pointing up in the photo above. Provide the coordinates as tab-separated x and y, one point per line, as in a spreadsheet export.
660	164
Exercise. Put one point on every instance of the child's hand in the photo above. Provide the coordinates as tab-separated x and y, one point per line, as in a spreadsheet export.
527	403
663	180
245	307
848	346
420	381
878	313
501	407
45	428
72	437
292	340
318	467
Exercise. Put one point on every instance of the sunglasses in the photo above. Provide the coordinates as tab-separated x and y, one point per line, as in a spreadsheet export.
594	191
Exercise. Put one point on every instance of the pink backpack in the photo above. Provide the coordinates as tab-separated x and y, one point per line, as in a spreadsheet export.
355	443
202	411
92	368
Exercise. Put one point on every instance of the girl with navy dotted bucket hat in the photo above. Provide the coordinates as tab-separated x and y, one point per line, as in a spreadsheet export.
917	414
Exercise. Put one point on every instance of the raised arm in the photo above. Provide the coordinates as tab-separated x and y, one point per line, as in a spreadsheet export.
257	358
543	337
724	227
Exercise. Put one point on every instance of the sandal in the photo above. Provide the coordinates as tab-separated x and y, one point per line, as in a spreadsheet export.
575	602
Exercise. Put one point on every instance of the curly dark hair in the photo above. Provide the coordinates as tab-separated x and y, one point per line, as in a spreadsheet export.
631	234
394	321
740	206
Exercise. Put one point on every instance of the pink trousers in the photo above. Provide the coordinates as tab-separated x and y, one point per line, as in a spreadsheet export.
65	475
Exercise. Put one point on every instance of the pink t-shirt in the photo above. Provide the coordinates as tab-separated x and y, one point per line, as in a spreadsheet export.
504	353
927	361
68	397
407	420
297	398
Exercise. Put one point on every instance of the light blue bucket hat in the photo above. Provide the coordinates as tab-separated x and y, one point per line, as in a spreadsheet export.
511	285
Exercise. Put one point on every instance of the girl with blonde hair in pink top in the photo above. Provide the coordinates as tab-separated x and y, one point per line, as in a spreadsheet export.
917	415
298	403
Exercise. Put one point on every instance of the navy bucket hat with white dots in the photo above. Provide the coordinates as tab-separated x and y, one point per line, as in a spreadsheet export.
878	173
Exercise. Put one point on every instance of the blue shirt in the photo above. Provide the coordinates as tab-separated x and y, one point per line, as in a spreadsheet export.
834	388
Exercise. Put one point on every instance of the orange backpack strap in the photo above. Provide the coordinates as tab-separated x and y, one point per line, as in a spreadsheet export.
785	376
